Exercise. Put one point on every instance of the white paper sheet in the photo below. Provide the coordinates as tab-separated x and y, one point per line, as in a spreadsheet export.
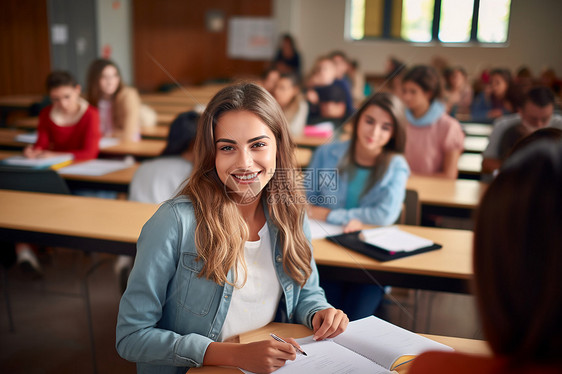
321	229
95	167
393	239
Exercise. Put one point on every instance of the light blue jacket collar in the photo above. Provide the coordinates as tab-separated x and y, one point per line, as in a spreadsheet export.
436	110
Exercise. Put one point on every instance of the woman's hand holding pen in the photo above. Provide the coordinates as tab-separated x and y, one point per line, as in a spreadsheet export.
329	323
266	356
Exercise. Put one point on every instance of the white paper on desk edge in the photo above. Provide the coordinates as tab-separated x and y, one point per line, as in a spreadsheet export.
393	239
321	229
95	167
391	342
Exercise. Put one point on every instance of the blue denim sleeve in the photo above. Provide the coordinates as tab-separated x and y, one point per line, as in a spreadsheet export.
139	339
480	108
311	298
384	199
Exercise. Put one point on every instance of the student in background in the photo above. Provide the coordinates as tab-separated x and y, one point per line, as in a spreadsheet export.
435	139
288	94
121	112
69	125
371	175
229	254
550	134
394	72
159	179
494	100
458	92
535	113
517	239
269	79
287	59
323	86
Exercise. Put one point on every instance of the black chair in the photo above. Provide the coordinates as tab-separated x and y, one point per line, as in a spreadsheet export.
32	180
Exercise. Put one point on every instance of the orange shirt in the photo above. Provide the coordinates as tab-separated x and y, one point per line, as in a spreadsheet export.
458	363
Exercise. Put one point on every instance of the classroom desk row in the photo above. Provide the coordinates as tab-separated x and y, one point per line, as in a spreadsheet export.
455	194
468	346
470	164
113	226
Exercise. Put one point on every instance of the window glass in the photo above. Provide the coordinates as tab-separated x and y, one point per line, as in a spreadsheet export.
417	19
456	20
493	21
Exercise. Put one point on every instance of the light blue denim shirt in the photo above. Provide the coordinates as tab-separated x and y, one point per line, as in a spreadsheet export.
381	205
168	315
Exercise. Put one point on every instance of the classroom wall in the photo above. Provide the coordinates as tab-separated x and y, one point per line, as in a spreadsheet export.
535	27
24	45
114	34
170	37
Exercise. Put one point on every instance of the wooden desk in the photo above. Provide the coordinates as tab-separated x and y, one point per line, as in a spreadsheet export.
469	346
470	164
145	148
8	139
475	144
165	118
448	269
87	223
311	141
114	225
18	101
155	132
161	131
459	193
477	129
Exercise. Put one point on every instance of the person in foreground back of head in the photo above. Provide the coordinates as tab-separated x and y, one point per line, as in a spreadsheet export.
517	257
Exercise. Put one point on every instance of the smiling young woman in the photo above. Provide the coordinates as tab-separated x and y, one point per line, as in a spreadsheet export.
229	254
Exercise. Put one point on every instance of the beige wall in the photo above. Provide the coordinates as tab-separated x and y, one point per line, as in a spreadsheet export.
536	30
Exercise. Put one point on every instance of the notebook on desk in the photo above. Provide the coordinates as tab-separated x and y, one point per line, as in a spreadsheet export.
369	345
385	243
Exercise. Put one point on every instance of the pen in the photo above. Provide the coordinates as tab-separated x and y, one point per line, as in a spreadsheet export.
282	341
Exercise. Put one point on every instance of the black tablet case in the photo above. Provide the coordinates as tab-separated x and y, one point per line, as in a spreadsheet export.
352	241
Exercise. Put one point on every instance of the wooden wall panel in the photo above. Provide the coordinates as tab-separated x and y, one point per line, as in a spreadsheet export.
173	33
24	47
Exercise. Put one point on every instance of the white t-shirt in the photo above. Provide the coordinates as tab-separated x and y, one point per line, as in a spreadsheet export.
159	179
254	305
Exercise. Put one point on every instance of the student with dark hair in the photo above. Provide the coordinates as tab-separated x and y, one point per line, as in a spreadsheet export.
494	101
288	94
287	59
517	273
536	112
69	125
372	174
325	88
458	92
435	139
159	179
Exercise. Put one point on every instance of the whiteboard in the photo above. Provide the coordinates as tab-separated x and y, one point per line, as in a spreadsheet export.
251	38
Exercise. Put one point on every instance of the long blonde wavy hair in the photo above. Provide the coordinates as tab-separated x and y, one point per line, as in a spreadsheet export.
221	231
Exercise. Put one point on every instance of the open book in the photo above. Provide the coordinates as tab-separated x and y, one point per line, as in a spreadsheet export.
369	345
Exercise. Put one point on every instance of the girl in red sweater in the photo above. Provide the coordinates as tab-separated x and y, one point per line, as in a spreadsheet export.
69	125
